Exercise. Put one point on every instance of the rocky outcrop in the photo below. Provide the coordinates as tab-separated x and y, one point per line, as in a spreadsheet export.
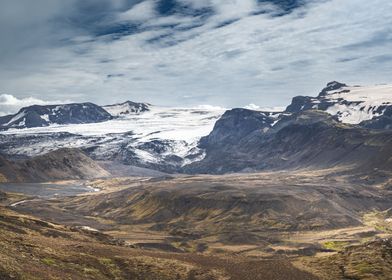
127	108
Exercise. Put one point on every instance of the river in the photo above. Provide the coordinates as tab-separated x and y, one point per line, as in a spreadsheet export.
47	190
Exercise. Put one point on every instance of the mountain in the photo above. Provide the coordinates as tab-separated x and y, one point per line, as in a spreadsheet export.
127	108
57	165
236	124
45	115
308	139
343	125
367	106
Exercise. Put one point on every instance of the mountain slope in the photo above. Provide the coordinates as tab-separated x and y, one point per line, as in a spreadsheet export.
371	260
31	248
236	124
61	164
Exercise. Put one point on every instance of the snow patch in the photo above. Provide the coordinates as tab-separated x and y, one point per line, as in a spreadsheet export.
45	117
16	118
255	107
356	104
18	203
87	228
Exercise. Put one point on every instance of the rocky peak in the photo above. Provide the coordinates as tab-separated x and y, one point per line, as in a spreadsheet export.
331	86
127	108
236	124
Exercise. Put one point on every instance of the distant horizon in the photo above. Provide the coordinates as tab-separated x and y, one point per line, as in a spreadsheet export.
10	101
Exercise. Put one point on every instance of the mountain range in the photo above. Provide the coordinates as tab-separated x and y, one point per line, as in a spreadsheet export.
342	125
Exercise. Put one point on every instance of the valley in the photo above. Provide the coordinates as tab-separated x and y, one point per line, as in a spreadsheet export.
300	218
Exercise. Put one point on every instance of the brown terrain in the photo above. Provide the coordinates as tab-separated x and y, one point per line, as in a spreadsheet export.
34	249
57	165
299	224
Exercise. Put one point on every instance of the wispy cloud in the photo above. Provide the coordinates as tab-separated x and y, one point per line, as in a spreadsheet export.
186	52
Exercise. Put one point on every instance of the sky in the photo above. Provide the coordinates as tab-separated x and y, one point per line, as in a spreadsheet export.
227	53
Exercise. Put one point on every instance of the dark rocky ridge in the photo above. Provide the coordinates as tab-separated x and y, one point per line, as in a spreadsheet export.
306	139
234	125
38	116
382	122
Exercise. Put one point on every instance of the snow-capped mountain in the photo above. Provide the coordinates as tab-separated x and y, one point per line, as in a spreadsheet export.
350	104
161	138
168	139
42	116
127	108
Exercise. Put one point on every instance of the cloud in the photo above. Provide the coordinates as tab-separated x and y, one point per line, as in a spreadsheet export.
10	104
188	52
255	107
140	12
210	107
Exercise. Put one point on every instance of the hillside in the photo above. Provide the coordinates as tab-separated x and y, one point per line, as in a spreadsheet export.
31	248
368	261
34	249
62	164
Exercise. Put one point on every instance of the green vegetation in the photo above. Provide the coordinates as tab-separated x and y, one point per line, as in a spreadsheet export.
49	261
335	245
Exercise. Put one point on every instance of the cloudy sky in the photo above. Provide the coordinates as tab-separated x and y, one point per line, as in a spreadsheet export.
189	52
